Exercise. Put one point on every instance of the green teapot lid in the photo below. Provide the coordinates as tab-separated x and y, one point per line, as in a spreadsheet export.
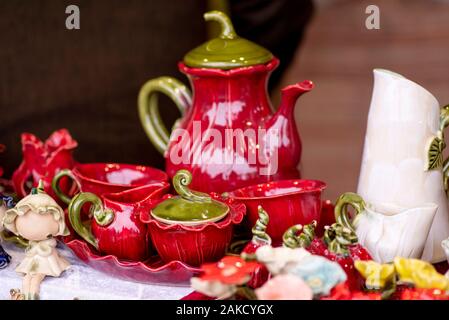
228	50
190	207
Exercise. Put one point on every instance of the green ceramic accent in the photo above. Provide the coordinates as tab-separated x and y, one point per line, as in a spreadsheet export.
101	216
55	184
292	240
338	238
228	50
260	227
190	207
149	111
341	214
17	240
437	145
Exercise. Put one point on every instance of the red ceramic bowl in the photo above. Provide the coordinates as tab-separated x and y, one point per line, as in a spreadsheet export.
101	178
287	202
194	245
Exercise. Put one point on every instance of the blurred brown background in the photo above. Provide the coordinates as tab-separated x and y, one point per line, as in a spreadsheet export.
92	76
339	53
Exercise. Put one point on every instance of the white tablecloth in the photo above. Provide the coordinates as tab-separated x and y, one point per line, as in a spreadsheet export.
83	282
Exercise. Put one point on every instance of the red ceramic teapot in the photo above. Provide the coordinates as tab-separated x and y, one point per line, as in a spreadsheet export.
228	136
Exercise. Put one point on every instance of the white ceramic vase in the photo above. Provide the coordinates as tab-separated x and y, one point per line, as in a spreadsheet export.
403	125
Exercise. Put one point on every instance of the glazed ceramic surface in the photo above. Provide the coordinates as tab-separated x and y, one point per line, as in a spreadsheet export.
102	178
190	207
385	230
43	160
287	203
194	245
116	228
402	158
152	271
230	101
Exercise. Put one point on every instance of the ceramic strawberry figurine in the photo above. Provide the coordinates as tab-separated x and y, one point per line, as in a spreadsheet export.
38	219
338	244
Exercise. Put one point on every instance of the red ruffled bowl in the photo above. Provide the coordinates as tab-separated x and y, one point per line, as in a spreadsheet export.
194	245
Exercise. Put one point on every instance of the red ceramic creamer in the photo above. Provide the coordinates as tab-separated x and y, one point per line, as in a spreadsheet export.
115	228
228	136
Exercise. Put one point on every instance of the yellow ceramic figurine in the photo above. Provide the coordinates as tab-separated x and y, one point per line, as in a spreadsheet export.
420	273
377	275
37	218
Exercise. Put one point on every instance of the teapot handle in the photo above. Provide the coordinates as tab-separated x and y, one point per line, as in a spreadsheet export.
149	111
102	216
341	214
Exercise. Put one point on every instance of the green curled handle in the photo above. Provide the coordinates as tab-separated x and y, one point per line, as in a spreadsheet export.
341	212
290	237
292	240
181	181
56	187
149	110
102	217
227	29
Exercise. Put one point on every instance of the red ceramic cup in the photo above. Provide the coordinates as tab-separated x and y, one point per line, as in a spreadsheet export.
116	228
287	202
194	245
102	178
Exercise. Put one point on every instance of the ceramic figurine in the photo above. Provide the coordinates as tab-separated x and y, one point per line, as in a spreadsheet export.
42	160
38	218
387	231
402	161
229	76
339	244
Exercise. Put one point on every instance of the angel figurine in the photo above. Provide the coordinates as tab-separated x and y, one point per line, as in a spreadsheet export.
38	219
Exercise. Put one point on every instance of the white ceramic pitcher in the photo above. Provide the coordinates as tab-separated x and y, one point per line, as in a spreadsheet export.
386	230
402	160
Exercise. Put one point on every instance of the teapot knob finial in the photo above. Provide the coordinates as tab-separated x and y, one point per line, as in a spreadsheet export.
181	181
227	29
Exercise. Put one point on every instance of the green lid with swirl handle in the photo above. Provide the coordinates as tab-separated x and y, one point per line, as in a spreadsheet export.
227	51
189	207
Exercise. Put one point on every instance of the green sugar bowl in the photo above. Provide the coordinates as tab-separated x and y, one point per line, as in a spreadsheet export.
192	227
189	208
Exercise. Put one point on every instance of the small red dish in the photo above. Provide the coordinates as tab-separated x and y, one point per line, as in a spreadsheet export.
287	202
151	271
194	245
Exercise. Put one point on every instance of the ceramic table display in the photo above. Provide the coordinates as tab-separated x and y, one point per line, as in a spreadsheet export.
386	230
402	160
38	218
192	227
115	227
102	178
287	202
42	160
228	136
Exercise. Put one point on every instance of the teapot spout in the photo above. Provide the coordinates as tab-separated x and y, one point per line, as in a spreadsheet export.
290	94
